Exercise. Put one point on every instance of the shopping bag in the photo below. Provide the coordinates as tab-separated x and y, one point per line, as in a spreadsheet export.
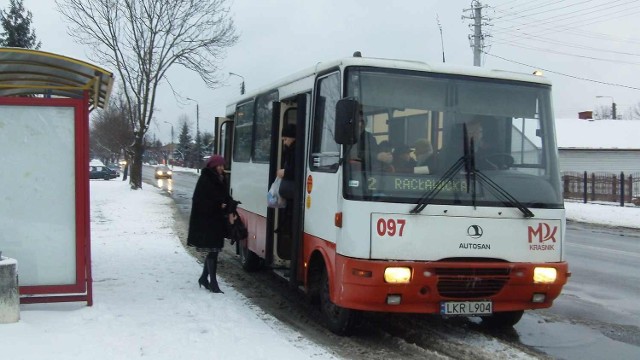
274	200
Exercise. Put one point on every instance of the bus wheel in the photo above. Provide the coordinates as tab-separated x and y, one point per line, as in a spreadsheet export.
249	260
502	319
338	319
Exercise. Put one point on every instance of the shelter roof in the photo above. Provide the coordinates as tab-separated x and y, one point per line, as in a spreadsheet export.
35	72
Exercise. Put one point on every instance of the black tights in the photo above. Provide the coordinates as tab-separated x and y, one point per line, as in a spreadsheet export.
213	257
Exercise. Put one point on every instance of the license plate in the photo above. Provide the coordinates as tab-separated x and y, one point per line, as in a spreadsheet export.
466	308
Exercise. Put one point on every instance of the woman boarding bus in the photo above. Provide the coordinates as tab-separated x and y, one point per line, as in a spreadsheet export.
478	232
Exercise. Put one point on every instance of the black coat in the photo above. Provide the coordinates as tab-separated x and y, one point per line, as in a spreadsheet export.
208	223
289	161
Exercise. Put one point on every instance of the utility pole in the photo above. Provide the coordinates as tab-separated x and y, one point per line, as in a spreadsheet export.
476	40
171	147
441	39
198	138
198	150
241	85
614	114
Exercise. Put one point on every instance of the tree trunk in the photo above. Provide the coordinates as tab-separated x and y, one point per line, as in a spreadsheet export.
127	163
136	163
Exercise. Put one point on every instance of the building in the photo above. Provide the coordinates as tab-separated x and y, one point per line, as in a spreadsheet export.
611	146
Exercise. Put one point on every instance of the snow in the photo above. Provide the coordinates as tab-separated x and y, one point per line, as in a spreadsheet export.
597	134
146	299
95	162
604	214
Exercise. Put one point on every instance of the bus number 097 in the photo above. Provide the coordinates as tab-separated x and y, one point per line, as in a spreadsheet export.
390	227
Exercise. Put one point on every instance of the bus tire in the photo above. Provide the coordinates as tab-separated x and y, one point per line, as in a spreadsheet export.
249	260
504	319
338	319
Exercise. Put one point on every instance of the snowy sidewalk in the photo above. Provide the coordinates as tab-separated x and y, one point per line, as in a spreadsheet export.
146	300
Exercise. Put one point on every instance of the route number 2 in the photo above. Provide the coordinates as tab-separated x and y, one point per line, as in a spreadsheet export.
390	227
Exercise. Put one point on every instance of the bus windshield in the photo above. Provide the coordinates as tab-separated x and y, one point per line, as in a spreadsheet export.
417	126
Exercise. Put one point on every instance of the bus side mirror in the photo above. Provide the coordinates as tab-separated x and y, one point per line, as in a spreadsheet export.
347	124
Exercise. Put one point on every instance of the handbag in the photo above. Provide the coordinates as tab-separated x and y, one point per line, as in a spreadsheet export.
287	189
274	200
237	231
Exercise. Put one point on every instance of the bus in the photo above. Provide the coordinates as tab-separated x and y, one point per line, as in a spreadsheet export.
477	230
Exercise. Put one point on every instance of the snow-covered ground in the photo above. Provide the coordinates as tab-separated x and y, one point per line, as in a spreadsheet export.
146	300
604	214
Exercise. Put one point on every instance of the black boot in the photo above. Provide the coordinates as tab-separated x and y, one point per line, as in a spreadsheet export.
202	281
212	264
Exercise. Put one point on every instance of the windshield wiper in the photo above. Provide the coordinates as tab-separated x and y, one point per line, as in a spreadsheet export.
472	174
463	161
499	192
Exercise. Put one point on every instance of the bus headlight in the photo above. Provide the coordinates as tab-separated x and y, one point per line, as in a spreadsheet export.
544	275
397	275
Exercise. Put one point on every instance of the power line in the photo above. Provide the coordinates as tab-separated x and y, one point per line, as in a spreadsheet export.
563	74
531	35
574	55
519	15
584	33
527	36
527	2
602	14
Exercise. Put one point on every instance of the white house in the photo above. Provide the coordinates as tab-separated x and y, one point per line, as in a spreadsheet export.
599	145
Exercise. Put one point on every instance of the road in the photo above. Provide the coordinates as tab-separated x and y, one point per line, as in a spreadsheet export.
594	318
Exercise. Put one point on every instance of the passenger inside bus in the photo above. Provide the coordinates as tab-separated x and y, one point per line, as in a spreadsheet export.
487	152
423	151
402	160
367	151
385	147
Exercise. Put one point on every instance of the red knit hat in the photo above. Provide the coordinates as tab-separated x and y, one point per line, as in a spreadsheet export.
214	161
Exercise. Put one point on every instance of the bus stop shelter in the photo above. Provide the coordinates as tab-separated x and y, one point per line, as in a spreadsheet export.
45	101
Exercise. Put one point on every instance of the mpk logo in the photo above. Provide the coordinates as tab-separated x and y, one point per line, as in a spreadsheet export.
543	232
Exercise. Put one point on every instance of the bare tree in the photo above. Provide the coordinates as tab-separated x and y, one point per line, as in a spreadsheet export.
142	40
111	133
635	112
602	112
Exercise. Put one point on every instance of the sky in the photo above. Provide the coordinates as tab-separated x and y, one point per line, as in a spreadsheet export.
146	309
569	40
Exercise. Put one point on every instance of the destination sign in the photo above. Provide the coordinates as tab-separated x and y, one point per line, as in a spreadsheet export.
410	184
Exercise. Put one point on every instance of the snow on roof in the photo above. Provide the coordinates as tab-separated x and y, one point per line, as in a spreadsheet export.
598	134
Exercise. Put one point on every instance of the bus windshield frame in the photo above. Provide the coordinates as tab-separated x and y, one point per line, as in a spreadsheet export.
417	125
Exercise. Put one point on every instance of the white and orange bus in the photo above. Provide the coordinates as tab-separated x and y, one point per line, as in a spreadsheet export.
479	231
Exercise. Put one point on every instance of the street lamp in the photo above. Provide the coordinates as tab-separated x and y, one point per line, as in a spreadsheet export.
241	85
171	147
197	134
613	105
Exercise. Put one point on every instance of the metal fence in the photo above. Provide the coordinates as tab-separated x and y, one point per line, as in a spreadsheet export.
608	187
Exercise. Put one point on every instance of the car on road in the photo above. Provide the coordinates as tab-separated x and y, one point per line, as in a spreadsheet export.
163	172
114	167
101	172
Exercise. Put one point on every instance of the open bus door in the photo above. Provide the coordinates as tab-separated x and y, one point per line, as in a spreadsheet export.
223	138
279	247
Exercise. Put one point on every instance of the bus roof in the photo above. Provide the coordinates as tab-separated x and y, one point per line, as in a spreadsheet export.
437	68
